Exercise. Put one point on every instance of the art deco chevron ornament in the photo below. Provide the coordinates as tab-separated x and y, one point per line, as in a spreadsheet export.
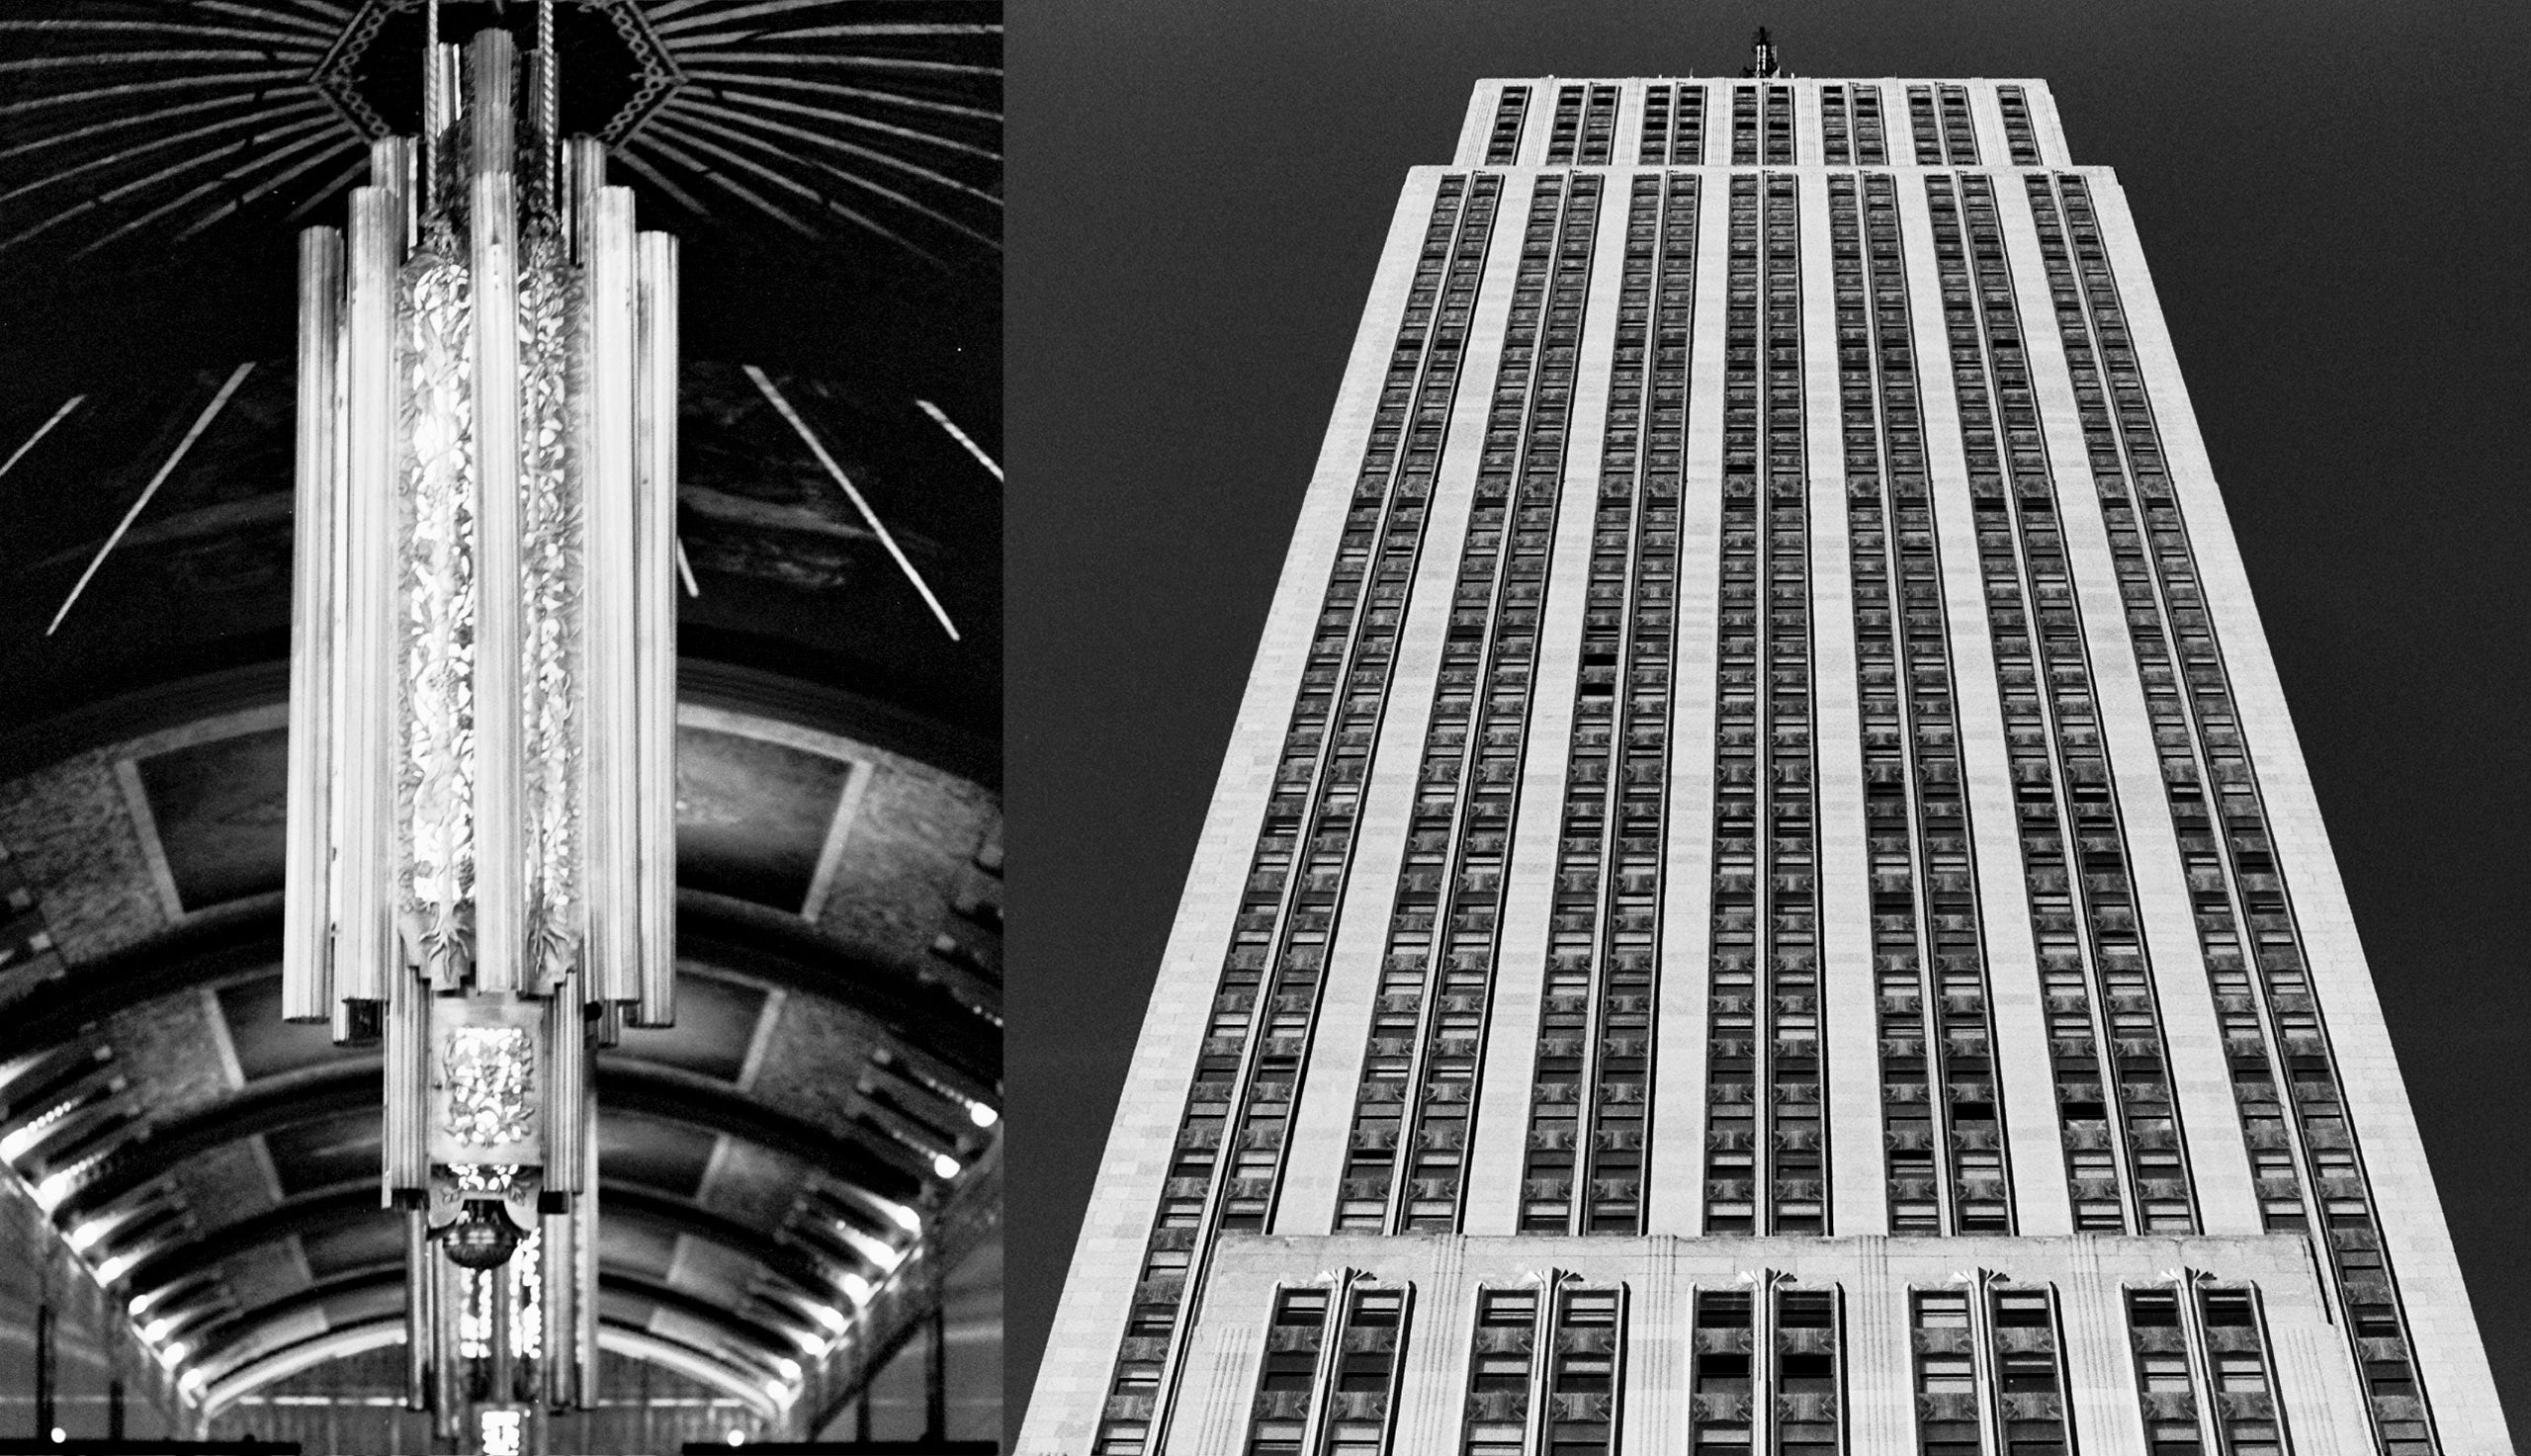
482	695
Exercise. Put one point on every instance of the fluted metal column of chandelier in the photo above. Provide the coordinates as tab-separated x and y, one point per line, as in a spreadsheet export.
482	695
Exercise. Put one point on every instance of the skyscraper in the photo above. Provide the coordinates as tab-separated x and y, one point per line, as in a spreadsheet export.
1764	896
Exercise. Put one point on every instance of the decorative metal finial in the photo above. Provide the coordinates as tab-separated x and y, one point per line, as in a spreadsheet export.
1764	59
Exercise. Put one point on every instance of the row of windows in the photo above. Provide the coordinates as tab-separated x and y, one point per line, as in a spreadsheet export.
1941	1117
1764	1372
1942	131
2246	925
1565	1404
1547	1366
1416	1107
1588	1130
1267	994
1766	1139
1938	117
2120	1124
1673	127
2020	136
1850	126
1503	141
2247	1045
1585	130
1989	1368
1762	126
1327	1382
2204	1380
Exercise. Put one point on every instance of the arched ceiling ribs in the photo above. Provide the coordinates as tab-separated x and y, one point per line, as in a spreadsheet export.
289	1099
275	1102
713	932
313	1213
694	1364
324	1211
766	1347
307	1354
805	1272
198	954
702	680
211	1339
882	1166
772	1345
785	951
336	1345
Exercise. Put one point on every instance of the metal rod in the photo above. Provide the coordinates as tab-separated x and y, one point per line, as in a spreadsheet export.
613	833
960	435
44	1371
584	1209
436	105
935	1369
549	86
450	1299
685	570
201	424
500	628
420	1280
567	1049
654	619
42	430
307	907
559	1365
877	527
404	1138
364	806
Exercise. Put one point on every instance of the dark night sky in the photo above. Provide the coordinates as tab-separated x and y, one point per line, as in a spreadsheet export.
2333	200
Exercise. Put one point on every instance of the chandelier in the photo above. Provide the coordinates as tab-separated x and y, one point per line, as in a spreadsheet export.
482	695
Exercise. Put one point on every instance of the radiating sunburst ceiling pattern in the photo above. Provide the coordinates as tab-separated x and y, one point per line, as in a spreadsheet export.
129	124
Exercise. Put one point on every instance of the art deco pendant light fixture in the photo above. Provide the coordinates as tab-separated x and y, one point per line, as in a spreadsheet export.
482	695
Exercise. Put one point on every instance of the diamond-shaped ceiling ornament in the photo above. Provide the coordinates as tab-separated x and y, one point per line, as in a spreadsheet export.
614	62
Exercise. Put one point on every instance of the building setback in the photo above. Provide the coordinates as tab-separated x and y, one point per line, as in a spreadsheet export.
1764	897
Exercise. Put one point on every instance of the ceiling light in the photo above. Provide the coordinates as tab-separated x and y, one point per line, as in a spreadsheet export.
878	1251
491	459
51	1192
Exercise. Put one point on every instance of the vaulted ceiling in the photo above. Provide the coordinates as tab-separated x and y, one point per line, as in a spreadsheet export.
822	1117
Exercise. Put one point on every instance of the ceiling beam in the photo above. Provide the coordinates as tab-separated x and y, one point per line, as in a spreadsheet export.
341	1207
763	1345
315	1095
336	1345
712	931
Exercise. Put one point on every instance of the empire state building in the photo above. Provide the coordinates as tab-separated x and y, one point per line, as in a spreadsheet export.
1764	897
